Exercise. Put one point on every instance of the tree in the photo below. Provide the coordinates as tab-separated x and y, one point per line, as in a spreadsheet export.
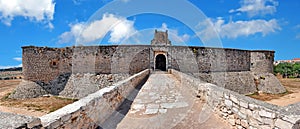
285	69
296	69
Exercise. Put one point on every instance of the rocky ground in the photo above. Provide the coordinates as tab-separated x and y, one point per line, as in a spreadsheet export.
290	97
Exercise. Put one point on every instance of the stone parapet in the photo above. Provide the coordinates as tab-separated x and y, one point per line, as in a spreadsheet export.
239	110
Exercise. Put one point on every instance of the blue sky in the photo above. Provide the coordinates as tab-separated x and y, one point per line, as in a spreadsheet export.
241	24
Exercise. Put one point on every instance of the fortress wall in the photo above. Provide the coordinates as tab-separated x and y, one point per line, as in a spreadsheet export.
209	59
239	110
262	61
45	64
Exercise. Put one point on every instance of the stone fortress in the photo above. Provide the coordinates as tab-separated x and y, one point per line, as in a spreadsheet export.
243	71
220	77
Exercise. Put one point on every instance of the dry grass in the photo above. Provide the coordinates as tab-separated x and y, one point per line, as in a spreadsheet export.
292	85
268	97
41	104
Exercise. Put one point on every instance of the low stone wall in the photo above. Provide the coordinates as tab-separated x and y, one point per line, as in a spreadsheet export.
242	111
92	111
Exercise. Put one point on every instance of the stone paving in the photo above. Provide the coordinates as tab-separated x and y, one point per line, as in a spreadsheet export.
161	103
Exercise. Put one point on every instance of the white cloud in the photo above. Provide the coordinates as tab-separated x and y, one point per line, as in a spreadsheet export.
257	7
119	27
174	35
6	67
35	10
298	36
122	30
18	58
235	29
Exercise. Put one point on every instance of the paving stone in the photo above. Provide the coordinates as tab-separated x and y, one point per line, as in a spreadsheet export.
150	111
138	106
283	124
152	106
162	110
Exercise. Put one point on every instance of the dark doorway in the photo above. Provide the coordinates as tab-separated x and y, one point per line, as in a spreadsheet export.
160	62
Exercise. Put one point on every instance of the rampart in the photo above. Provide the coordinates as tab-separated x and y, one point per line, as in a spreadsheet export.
45	64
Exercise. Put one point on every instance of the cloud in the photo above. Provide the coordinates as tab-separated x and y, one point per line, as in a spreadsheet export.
34	10
18	58
298	36
119	27
6	67
297	28
174	35
257	7
122	30
236	29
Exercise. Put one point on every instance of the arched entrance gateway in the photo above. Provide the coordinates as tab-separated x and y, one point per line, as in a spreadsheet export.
160	62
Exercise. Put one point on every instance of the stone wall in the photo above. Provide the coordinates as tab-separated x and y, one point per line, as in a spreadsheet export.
89	112
239	110
262	61
42	64
45	64
92	111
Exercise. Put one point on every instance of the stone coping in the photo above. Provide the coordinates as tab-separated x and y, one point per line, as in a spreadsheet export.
176	46
239	110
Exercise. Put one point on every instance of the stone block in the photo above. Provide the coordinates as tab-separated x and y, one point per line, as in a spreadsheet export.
291	118
267	114
253	106
235	110
238	121
239	127
283	124
34	123
231	121
228	103
251	127
244	123
265	127
242	115
234	99
226	96
151	111
268	121
256	116
244	104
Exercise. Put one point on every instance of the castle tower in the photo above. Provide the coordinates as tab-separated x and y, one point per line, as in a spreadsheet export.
160	38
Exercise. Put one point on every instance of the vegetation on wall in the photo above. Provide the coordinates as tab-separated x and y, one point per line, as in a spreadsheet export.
288	70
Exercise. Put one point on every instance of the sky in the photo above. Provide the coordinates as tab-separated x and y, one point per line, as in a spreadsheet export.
241	24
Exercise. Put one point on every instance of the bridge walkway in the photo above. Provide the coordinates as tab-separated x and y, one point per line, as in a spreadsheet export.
163	103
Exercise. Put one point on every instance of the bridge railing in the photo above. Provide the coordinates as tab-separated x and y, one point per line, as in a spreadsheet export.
240	110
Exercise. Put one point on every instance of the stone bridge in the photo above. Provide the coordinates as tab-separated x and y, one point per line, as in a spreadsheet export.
163	100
